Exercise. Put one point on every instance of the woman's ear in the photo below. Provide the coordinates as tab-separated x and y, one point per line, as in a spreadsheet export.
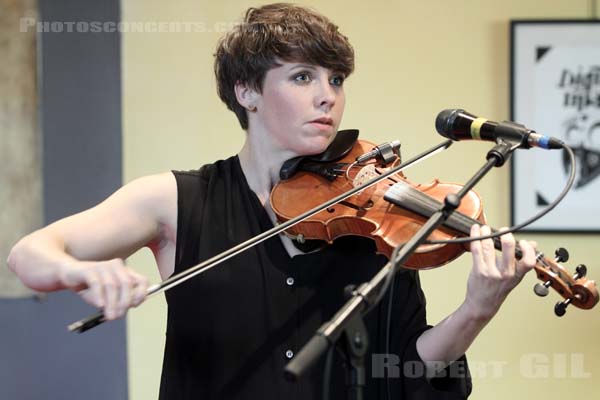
246	96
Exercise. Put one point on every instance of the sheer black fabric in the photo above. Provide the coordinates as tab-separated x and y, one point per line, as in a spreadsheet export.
231	331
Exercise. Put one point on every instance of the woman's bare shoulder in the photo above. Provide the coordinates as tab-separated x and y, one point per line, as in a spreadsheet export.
140	213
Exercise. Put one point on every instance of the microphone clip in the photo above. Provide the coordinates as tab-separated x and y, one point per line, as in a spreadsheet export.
514	133
384	153
502	150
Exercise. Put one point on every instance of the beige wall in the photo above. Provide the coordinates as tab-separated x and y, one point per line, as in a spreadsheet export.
20	149
413	60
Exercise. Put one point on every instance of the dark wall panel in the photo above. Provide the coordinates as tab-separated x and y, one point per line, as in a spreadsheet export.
80	99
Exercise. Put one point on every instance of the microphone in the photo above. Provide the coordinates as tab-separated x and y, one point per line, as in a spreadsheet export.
384	153
458	124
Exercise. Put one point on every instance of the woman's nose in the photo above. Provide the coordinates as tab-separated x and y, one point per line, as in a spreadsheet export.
326	95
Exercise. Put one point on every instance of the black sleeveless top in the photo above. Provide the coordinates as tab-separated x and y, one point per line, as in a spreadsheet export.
231	331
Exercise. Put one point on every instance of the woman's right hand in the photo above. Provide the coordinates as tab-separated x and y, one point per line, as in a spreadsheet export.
64	254
109	285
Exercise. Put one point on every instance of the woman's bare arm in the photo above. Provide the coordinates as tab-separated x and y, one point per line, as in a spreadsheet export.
85	252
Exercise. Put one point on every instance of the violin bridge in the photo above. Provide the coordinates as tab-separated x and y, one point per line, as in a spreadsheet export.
364	175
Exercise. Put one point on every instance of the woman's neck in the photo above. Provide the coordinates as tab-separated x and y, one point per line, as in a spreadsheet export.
261	161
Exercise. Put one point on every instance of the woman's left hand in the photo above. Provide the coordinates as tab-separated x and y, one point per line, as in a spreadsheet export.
493	277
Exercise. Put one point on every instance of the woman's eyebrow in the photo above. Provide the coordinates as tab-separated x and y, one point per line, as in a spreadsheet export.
306	66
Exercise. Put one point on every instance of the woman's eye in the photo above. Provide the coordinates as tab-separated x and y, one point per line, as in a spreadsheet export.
303	77
337	80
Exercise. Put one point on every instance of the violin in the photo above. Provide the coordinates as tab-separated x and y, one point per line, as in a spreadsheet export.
393	210
388	209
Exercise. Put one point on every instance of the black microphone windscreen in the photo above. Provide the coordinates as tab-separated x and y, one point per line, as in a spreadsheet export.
444	121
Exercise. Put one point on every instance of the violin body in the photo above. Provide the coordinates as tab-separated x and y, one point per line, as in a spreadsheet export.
369	214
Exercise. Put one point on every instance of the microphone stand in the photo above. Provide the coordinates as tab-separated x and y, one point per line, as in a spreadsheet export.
348	320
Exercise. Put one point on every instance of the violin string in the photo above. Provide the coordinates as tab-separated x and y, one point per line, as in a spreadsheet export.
389	177
416	201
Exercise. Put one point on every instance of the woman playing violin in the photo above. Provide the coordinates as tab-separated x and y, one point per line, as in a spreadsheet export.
231	330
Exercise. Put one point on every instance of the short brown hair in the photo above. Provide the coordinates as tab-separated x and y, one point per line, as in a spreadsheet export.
275	32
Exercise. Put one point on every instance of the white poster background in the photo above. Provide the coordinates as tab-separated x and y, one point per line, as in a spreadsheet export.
557	93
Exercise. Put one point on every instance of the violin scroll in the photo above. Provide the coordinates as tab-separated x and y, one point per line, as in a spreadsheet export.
576	290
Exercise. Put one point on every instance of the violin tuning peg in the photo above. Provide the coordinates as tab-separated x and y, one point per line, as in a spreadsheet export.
542	289
562	255
561	307
581	271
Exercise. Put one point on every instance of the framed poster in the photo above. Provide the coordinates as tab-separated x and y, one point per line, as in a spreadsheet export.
555	90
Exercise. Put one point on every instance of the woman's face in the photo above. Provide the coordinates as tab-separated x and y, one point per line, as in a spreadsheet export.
300	107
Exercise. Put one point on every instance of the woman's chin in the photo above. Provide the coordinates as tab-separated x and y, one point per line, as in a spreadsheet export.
316	145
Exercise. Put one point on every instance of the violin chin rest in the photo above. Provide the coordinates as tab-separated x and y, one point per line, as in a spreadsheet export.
341	145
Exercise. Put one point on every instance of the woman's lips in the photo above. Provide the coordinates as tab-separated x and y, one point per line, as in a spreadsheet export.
322	123
321	126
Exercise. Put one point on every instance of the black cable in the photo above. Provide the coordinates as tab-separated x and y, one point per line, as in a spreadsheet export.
388	323
389	281
388	284
327	372
531	220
